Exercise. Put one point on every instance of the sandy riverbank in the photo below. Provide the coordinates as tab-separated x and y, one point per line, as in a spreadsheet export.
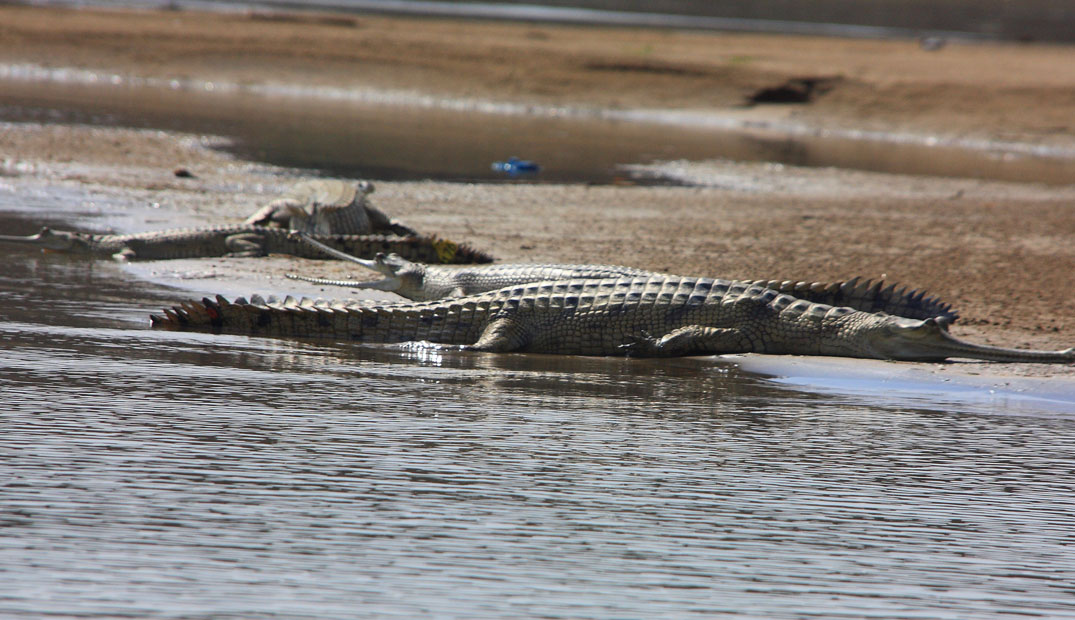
1007	91
1000	252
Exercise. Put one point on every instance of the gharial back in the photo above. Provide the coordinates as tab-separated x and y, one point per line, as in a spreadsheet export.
221	241
429	282
332	193
171	244
860	294
441	281
330	206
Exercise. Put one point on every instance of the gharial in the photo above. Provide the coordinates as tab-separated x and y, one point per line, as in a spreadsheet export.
244	241
421	282
643	316
335	208
328	206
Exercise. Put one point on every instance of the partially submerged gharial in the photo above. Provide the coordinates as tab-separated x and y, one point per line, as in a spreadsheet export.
421	282
642	316
334	212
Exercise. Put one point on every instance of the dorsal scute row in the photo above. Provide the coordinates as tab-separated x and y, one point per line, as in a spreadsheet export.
565	294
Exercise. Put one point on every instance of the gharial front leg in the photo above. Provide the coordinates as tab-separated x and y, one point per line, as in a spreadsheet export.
689	340
245	245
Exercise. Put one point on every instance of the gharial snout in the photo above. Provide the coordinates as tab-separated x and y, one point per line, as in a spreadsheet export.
45	239
899	338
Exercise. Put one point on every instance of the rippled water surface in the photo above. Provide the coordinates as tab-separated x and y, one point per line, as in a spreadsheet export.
159	474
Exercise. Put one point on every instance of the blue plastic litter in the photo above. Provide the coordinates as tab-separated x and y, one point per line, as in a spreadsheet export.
515	166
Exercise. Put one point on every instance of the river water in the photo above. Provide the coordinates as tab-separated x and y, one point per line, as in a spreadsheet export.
400	136
174	475
1027	20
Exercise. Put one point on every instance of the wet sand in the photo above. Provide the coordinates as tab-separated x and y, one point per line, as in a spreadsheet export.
1000	252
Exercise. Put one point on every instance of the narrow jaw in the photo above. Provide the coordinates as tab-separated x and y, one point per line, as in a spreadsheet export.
47	239
928	340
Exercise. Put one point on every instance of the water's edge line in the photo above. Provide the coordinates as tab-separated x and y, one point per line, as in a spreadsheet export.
30	72
964	382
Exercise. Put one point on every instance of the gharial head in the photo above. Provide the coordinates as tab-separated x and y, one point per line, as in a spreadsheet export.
400	275
395	266
54	240
898	338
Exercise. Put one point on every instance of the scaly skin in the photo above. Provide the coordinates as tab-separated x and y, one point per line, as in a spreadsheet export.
420	282
328	207
429	282
654	316
242	241
867	296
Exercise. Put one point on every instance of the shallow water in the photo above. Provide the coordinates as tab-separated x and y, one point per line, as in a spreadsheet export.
959	19
160	474
403	136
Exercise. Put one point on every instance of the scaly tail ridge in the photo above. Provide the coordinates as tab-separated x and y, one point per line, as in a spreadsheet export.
867	296
298	318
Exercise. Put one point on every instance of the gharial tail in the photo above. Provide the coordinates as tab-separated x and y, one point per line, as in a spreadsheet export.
305	318
867	296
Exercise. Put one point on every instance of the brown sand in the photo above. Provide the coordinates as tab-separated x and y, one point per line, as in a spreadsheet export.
1002	253
993	89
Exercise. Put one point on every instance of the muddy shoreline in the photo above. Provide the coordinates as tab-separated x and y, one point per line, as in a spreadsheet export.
1000	252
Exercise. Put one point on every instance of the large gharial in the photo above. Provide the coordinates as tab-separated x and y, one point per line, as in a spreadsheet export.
334	211
420	282
643	316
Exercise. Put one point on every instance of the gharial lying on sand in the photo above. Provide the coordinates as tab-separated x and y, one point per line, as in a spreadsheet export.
335	212
420	282
608	310
328	206
244	241
643	316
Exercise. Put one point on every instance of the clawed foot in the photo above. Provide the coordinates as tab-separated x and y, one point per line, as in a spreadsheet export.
642	345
